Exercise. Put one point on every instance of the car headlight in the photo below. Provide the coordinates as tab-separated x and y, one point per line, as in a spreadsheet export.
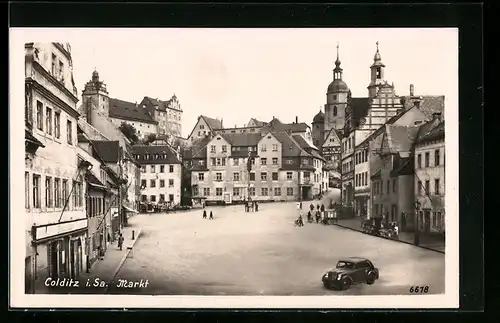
339	277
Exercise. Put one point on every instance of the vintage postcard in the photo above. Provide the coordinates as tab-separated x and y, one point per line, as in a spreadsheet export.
234	168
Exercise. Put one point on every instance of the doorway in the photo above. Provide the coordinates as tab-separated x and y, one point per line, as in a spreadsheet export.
427	221
306	193
28	276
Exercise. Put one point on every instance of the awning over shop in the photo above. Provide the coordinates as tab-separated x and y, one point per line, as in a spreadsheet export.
93	181
129	209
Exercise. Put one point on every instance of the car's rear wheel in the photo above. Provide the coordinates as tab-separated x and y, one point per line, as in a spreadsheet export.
371	278
346	283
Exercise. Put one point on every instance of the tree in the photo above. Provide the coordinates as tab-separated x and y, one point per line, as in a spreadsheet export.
150	138
129	131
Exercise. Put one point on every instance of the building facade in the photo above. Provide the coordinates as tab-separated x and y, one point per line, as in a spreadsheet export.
429	185
167	114
56	223
161	169
281	169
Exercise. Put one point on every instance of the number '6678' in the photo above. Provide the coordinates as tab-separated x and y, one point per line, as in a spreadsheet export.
419	289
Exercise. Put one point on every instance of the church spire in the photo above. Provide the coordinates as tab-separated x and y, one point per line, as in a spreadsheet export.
337	71
377	59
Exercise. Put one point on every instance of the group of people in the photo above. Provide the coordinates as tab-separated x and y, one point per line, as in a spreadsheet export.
211	217
319	212
251	205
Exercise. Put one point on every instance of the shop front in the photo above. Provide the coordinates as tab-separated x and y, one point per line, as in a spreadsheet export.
59	250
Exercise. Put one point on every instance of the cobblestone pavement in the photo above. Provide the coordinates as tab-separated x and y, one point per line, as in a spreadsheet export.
263	253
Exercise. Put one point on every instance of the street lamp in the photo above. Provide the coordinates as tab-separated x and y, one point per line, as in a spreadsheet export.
416	238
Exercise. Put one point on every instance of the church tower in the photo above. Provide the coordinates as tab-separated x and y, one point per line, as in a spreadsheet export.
376	74
95	98
336	99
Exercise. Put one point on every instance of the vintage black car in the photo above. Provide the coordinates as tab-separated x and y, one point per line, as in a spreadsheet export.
350	271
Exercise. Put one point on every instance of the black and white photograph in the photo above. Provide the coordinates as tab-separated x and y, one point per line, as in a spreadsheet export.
234	167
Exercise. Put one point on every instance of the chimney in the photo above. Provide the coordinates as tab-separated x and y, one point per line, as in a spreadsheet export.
221	122
296	119
412	90
436	116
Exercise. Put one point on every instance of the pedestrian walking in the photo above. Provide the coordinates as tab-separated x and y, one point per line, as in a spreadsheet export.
300	205
204	214
120	241
309	217
256	206
317	217
311	207
211	215
317	207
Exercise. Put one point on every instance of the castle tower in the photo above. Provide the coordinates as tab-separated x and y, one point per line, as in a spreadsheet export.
336	99
95	98
318	129
376	74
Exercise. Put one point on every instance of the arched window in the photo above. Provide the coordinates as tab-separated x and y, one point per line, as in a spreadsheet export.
334	111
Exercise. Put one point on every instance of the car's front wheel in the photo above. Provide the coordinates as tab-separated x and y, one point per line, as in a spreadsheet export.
371	278
346	283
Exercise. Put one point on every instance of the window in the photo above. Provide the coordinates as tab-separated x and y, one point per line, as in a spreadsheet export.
206	191
201	176
436	186
152	168
236	191
57	124
419	187
275	160
277	191
202	126
171	183
162	183
378	73
388	187
152	183
264	191
218	177
26	190
48	191
218	191
252	177
236	177
263	176
289	176
427	157
144	198
144	183
69	129
252	191
263	147
436	157
57	192
153	198
275	176
48	121
212	148
162	168
263	161
275	147
224	148
427	187
236	161
162	197
334	111
170	168
65	192
53	70
143	169
39	115
394	186
289	191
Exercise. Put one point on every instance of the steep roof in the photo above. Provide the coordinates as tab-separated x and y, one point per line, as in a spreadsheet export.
170	154
290	148
198	149
435	133
214	124
257	122
109	151
242	139
319	117
129	111
429	104
401	138
287	127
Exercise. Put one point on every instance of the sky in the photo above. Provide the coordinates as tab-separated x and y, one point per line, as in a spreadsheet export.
236	74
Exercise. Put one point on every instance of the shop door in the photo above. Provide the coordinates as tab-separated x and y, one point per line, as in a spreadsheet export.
53	259
28	276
